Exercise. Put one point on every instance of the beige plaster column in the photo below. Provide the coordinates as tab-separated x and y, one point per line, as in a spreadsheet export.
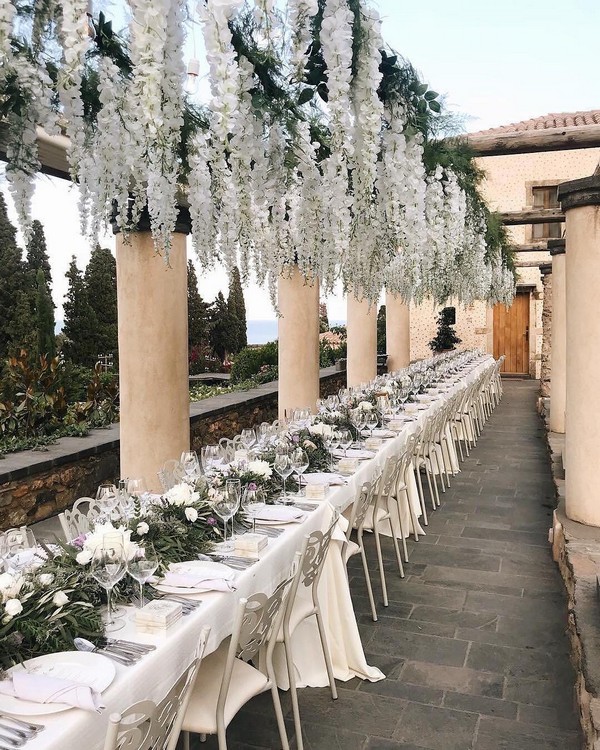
298	302
545	364
558	352
362	341
580	200
153	354
397	332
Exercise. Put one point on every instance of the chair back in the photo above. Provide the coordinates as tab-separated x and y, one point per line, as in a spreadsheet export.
227	449
79	519
404	461
170	474
16	538
360	507
156	726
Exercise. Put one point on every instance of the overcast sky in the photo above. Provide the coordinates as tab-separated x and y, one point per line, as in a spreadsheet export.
495	62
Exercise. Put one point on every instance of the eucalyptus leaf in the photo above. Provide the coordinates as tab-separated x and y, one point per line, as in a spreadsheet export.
306	95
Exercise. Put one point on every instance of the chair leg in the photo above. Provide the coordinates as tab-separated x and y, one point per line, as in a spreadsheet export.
186	740
413	516
365	565
287	645
326	654
421	496
402	537
280	722
381	568
221	735
396	549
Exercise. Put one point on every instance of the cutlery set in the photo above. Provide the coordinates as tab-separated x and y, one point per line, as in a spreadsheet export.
16	733
126	653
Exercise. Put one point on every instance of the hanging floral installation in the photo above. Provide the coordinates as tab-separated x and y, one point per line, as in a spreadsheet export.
316	147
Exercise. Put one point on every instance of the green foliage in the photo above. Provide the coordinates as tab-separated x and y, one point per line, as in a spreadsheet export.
44	316
37	252
250	360
381	335
329	355
198	325
221	327
445	337
237	312
323	318
16	320
80	321
100	280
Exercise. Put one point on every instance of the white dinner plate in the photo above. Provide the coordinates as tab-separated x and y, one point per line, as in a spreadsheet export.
94	670
378	433
219	569
362	455
278	515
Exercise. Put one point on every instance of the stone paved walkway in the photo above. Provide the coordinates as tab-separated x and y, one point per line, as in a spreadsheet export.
473	642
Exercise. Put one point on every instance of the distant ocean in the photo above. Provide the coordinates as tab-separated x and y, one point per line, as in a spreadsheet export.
261	331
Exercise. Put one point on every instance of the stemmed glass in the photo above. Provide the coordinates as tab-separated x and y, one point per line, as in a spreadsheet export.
248	437
142	567
357	417
126	500
283	466
372	421
108	566
136	488
107	499
191	466
225	505
299	461
210	457
345	441
253	501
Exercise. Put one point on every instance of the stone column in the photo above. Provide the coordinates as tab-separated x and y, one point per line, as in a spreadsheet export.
298	302
580	200
362	341
545	367
558	354
397	332
153	352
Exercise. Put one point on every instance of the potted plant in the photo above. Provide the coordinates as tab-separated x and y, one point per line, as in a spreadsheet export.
445	338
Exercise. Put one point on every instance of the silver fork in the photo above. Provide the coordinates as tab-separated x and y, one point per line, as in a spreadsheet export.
27	725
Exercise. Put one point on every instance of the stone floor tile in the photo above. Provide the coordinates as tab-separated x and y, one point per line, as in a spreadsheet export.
463	680
427	648
481	704
436	728
501	734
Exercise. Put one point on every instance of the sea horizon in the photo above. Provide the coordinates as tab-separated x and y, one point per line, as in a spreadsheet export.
263	331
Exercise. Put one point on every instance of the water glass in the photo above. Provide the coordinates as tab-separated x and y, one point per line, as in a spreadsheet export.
142	567
226	505
283	466
191	466
299	462
253	501
107	499
108	566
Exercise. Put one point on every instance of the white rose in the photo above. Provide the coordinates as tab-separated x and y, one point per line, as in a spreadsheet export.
84	556
142	528
60	599
191	514
365	406
261	468
13	607
316	429
181	494
45	579
6	581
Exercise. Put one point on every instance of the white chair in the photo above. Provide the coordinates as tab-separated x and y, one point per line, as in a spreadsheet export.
400	490
155	726
227	681
77	520
300	608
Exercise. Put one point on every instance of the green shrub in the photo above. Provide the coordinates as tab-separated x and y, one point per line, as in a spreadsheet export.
249	361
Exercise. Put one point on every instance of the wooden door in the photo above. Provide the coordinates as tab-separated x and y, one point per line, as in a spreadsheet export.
511	335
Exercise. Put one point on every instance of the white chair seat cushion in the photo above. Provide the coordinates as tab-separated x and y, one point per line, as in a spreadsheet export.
246	682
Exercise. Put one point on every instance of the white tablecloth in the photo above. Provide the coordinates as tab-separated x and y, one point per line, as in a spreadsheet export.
152	677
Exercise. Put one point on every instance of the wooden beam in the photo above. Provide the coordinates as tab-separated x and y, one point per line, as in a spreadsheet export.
534	247
535	141
532	216
530	263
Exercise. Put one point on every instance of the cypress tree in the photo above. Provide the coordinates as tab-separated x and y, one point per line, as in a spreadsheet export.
15	286
21	326
37	253
44	314
381	337
237	312
197	311
80	321
100	281
221	327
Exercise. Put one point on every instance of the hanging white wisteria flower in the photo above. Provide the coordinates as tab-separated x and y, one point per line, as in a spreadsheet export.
300	13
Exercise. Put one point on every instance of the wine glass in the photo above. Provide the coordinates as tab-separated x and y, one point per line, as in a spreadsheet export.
142	567
107	499
299	462
372	421
126	504
248	437
225	505
136	488
283	466
345	440
253	501
191	466
210	457
108	566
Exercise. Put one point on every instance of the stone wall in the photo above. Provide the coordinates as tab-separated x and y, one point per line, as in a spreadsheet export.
35	485
546	334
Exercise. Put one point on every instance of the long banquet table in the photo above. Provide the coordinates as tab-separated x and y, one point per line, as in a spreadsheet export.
152	677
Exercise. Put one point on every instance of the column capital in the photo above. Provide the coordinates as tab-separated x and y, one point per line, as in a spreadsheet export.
545	269
579	193
182	226
557	247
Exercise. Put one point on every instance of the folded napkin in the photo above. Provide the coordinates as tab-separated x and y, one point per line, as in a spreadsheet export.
283	513
41	688
378	433
199	579
353	453
323	478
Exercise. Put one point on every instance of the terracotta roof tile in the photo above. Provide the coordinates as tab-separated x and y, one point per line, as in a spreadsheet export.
552	120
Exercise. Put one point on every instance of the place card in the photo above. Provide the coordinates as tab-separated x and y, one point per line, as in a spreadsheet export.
373	443
396	424
157	616
316	491
250	545
348	465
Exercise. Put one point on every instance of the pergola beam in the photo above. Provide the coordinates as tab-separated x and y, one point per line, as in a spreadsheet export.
52	152
532	216
534	247
535	141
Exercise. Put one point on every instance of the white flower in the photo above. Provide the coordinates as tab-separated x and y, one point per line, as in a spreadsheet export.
261	468
142	528
84	557
365	406
13	607
46	579
182	494
191	514
60	599
6	581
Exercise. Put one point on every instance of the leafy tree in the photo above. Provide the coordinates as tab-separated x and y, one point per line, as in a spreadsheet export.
197	312
237	312
14	287
80	321
381	340
221	327
44	316
323	318
21	326
100	281
37	253
445	337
